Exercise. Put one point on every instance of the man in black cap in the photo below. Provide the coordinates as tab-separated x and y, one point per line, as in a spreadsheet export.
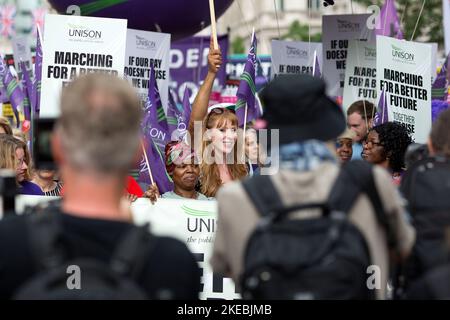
309	123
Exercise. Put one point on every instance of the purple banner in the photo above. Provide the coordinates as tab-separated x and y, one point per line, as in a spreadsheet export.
189	65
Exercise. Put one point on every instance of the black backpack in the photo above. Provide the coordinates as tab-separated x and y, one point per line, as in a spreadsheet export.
433	285
426	187
315	258
99	280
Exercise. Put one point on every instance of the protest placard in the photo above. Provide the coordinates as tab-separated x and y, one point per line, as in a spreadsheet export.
338	30
146	50
404	73
360	73
294	57
76	45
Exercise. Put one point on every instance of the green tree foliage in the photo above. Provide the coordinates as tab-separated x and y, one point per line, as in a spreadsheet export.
430	27
299	32
238	45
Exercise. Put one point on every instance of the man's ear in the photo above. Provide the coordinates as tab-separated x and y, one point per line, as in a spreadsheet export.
57	150
370	123
431	149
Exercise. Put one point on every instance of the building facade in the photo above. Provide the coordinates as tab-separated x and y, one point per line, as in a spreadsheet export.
269	24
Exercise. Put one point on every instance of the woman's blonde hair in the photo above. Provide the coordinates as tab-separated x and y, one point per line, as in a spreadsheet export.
19	134
8	159
4	123
210	176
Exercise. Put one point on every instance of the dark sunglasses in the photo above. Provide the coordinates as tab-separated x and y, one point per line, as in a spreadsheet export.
220	111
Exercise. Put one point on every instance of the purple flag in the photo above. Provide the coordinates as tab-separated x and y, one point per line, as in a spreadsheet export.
157	166
37	74
439	90
3	94
389	23
156	135
172	114
247	89
382	114
27	85
437	106
178	120
186	107
154	102
13	91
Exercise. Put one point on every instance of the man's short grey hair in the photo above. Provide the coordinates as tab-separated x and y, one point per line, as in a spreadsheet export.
99	124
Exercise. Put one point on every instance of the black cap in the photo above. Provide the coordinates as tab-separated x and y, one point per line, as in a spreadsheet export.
299	107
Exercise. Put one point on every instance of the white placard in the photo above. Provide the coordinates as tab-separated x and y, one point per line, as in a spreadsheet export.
145	50
338	30
75	45
294	57
22	52
193	222
360	73
404	72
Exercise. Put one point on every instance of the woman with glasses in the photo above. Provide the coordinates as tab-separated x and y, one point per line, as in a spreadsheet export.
386	145
219	132
14	155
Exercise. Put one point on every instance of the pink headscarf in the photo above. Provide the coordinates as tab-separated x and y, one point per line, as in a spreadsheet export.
177	152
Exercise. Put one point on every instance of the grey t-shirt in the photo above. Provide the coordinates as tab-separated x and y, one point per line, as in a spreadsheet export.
173	195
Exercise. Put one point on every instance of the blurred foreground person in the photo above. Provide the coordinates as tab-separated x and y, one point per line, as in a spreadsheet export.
313	230
90	229
426	187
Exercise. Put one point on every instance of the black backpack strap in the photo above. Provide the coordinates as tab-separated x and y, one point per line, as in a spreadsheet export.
44	233
356	177
267	200
132	252
263	194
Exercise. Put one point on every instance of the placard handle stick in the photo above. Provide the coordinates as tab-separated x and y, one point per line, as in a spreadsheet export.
213	24
148	164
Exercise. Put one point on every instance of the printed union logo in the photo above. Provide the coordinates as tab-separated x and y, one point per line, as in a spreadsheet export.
370	52
143	43
402	55
348	26
80	31
196	213
293	52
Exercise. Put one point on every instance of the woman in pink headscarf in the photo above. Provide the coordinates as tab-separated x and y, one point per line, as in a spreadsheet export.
184	170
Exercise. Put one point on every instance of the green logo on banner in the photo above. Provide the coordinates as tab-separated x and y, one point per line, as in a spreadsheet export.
399	53
196	213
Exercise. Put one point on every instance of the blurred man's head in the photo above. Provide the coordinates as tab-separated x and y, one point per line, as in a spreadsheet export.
99	127
360	118
439	141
